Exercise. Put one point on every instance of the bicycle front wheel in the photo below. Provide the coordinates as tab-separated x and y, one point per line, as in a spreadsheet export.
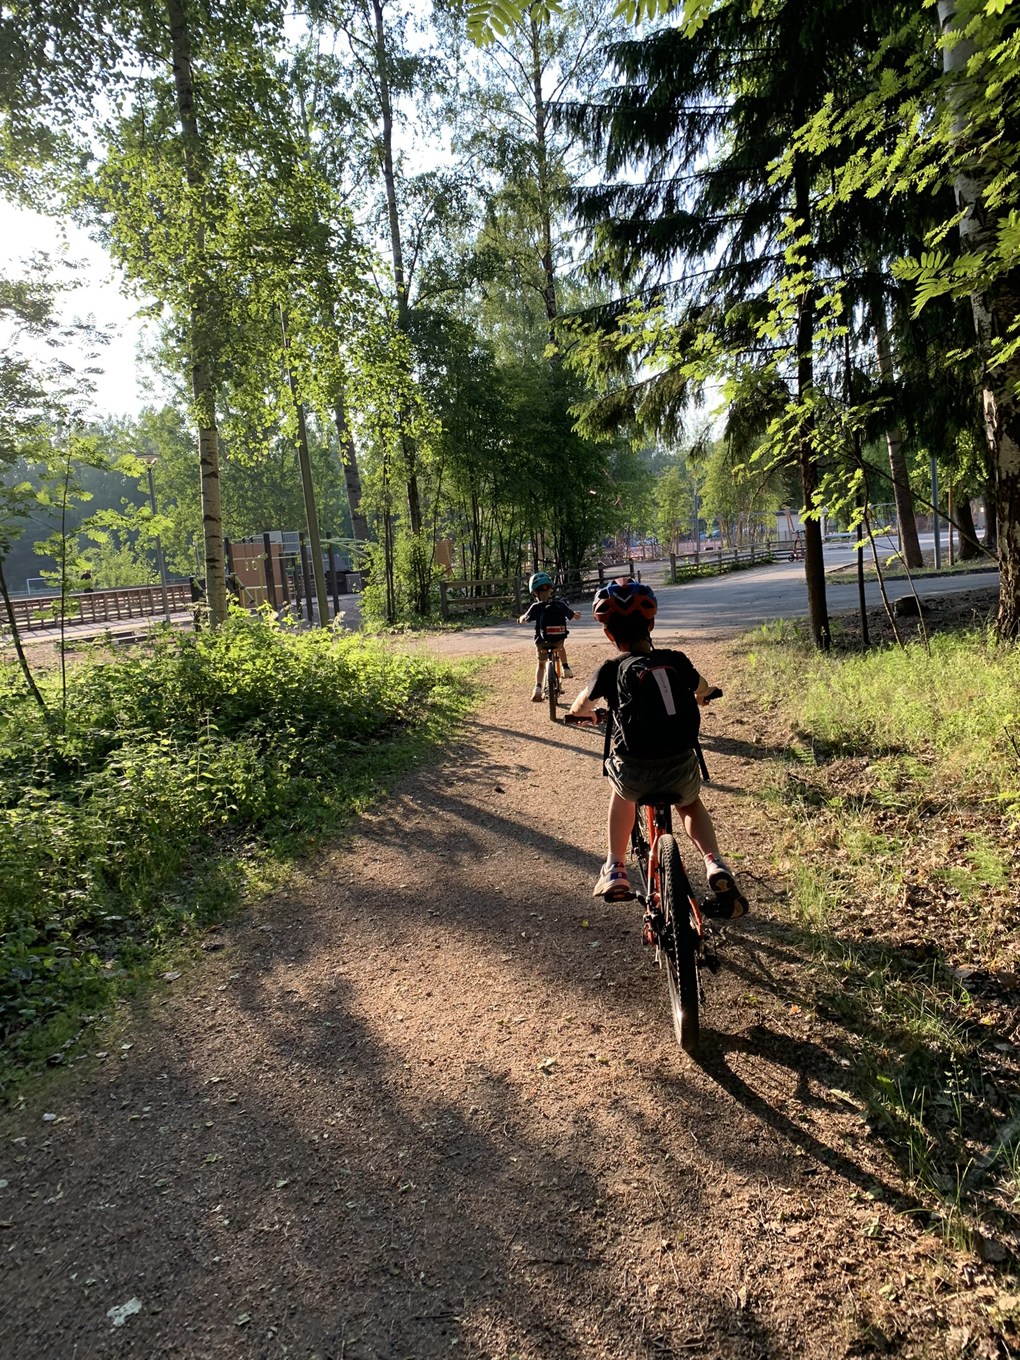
680	945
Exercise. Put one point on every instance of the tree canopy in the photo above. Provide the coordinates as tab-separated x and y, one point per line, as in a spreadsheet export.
480	276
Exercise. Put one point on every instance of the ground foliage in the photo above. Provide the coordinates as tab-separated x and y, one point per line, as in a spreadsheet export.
131	822
896	788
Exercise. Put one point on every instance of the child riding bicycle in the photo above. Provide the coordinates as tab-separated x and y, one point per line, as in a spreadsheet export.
653	697
550	617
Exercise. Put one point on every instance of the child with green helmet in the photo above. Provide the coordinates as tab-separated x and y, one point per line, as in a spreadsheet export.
550	617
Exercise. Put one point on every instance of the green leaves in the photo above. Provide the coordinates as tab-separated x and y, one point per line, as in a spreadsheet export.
99	819
488	19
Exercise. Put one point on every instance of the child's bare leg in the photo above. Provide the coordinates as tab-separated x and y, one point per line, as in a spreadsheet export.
613	883
539	672
698	825
620	823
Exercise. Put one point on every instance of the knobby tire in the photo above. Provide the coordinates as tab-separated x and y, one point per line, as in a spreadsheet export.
680	945
552	684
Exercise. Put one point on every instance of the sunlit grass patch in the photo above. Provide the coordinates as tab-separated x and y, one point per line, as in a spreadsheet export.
894	785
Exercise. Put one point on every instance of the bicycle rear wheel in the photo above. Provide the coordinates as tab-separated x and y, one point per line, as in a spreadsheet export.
680	945
552	681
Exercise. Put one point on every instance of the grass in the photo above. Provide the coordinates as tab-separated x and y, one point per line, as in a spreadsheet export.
178	781
895	782
893	568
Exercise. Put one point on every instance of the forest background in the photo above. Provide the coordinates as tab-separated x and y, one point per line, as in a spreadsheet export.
522	278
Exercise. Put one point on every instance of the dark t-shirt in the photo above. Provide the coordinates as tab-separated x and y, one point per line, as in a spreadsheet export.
549	613
603	685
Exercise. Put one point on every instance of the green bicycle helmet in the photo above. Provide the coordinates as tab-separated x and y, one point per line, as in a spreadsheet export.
538	580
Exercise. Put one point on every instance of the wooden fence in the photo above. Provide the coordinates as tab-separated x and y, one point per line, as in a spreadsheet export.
99	606
473	597
718	560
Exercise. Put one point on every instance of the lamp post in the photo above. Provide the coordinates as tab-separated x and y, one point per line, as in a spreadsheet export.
149	459
935	512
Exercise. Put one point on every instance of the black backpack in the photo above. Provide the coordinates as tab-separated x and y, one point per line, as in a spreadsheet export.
657	717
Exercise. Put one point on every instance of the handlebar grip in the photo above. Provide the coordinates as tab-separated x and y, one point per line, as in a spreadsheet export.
713	694
596	719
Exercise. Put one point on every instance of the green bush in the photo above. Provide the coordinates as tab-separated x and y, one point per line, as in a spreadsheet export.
165	764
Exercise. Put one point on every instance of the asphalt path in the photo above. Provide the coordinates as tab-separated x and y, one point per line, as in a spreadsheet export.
716	606
709	607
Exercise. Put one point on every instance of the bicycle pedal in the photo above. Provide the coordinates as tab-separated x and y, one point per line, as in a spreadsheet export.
711	962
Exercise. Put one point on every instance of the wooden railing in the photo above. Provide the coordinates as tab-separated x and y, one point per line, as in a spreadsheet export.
718	559
99	606
473	597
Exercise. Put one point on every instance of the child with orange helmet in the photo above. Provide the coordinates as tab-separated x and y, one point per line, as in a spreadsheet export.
653	696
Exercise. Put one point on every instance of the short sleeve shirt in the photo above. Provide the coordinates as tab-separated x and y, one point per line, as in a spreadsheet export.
549	613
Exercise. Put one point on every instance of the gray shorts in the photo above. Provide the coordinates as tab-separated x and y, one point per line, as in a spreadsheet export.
679	776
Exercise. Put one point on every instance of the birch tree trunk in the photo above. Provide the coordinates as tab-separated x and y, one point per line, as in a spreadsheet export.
814	563
396	246
352	475
202	385
307	485
542	176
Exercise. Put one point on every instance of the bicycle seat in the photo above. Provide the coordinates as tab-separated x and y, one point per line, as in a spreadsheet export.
653	800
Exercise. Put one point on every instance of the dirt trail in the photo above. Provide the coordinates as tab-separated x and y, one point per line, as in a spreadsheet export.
428	1103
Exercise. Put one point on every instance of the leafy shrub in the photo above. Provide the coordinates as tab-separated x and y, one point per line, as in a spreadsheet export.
165	761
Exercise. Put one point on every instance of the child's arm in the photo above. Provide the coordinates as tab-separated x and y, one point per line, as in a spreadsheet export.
582	705
575	617
703	688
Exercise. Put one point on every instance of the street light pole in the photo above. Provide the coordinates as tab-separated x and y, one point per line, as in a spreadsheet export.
149	461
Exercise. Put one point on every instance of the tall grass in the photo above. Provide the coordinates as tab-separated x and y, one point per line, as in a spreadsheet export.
956	712
896	799
134	819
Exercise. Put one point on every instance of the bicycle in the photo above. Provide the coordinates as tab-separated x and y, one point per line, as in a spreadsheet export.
674	918
552	684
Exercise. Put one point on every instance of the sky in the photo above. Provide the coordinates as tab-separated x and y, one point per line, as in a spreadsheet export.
22	233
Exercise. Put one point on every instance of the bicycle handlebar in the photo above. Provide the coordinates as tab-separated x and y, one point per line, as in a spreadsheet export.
596	719
601	715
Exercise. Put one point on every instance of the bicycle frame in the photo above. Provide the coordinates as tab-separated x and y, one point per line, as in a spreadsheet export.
553	669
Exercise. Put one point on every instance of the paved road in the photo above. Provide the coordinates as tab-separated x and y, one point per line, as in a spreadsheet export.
705	608
715	606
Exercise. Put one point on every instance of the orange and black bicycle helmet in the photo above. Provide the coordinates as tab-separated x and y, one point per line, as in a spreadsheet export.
631	600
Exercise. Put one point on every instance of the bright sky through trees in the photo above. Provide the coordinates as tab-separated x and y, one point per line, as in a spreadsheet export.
118	389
